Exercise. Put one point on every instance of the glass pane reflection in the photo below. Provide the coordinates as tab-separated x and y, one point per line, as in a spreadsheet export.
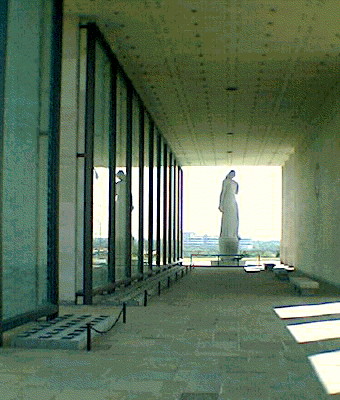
121	184
101	169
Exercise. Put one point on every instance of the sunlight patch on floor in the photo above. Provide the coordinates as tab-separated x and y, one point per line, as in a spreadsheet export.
314	331
310	310
327	367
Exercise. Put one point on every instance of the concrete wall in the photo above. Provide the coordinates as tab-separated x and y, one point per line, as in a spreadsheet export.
311	199
25	156
70	246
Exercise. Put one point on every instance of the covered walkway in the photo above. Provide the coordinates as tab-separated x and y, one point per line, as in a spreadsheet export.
213	333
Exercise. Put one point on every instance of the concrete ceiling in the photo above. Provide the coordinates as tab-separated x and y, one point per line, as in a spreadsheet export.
227	81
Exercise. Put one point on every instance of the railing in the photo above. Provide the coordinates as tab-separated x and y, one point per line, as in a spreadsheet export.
111	287
167	283
234	257
89	327
153	289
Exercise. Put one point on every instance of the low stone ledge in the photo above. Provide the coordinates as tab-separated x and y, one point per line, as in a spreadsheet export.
304	286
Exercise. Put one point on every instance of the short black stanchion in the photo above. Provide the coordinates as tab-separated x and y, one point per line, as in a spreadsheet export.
124	313
88	331
168	281
145	298
159	288
186	269
182	273
176	277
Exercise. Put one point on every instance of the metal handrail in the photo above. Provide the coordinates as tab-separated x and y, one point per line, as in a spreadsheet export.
237	257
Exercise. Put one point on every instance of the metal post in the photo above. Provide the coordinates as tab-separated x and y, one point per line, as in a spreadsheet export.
169	281
88	336
124	313
176	276
145	298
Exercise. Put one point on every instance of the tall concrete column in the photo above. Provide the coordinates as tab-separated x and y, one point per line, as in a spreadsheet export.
69	184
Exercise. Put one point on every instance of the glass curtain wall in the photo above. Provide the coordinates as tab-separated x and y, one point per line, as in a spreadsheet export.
101	167
29	130
121	182
180	211
170	208
165	168
82	64
147	199
174	214
135	189
159	209
97	168
130	178
142	188
152	198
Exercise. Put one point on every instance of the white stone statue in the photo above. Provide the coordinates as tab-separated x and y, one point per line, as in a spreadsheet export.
229	238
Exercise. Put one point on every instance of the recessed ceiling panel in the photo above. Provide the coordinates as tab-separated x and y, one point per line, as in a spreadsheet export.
262	70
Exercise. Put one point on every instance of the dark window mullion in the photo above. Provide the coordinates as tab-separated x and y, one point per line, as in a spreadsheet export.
170	208
151	197
112	173
178	212
128	177
181	214
165	204
174	231
159	205
141	190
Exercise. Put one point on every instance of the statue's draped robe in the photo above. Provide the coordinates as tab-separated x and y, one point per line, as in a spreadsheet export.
228	206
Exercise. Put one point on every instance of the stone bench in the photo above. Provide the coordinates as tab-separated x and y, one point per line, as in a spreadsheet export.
281	274
269	266
304	286
252	268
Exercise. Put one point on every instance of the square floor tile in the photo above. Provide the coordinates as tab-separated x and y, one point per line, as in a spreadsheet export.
199	396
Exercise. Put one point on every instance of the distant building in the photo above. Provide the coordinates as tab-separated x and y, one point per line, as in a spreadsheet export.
209	244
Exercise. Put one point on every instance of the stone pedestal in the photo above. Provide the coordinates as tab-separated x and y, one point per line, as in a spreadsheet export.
228	246
227	262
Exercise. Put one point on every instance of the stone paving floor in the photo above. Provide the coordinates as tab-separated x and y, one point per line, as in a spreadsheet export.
212	336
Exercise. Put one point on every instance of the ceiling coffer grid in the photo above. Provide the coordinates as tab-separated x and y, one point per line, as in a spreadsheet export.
226	81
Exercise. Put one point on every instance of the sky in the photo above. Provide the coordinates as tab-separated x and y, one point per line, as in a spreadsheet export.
259	200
